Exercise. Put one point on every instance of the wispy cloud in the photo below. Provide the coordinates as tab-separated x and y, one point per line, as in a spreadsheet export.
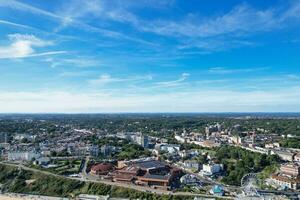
72	20
223	70
293	12
76	73
223	32
5	22
22	46
25	7
108	79
177	82
73	62
273	100
211	34
209	45
238	21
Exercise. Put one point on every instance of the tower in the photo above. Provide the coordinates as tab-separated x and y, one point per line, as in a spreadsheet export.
144	141
253	138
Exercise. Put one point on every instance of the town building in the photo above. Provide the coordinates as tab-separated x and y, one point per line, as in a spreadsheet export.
272	145
102	169
23	156
217	190
291	169
180	139
207	143
236	140
188	154
287	177
3	138
107	150
147	172
93	150
42	161
285	181
76	150
213	128
297	157
284	155
191	165
143	140
169	148
20	137
211	169
190	179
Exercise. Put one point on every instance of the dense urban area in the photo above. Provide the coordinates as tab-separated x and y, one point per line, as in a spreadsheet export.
151	156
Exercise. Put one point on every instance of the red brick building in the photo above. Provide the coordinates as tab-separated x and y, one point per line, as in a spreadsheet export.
151	173
291	169
102	169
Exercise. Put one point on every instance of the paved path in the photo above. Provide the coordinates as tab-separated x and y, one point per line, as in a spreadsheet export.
14	196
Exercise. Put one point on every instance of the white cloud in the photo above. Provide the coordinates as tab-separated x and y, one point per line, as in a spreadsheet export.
277	100
22	46
177	82
108	79
293	12
5	22
226	31
25	7
223	70
73	62
105	79
217	33
207	46
238	21
72	20
76	73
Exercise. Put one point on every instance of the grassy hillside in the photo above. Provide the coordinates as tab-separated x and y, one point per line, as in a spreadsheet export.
14	180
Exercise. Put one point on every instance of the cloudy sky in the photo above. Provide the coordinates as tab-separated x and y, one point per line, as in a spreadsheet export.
149	56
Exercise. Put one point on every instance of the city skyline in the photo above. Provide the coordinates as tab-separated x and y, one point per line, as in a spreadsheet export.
149	56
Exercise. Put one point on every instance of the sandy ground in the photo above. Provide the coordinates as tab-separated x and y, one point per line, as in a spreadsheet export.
27	197
3	197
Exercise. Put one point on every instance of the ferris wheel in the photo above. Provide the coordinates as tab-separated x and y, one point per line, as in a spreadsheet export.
249	184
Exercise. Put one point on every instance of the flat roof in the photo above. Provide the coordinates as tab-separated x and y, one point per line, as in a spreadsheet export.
152	164
154	176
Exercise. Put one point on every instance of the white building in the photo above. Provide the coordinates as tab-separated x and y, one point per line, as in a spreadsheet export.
191	164
20	137
142	140
190	179
169	148
207	143
236	140
23	156
42	161
284	155
190	153
211	169
180	139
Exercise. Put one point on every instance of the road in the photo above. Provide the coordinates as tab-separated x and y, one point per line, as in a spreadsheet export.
86	161
279	192
89	178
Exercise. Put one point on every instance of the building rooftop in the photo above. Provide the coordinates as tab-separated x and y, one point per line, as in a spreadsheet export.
152	164
102	167
155	176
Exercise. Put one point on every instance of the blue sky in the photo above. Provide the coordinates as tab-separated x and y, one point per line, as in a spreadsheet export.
149	56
